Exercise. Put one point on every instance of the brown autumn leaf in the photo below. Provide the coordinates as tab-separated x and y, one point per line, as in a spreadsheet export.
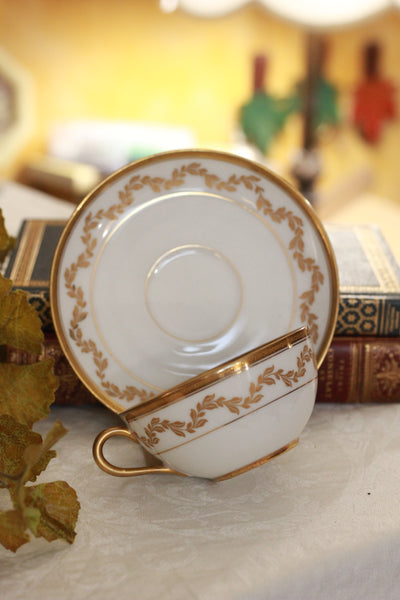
12	530
48	510
56	432
35	453
20	325
6	241
58	506
15	439
27	390
5	286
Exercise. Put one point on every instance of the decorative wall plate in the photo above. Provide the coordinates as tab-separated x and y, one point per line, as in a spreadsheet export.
181	261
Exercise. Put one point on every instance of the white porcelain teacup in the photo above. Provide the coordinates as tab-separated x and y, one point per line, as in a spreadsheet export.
227	420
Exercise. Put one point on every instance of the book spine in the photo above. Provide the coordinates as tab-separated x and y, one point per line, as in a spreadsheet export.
70	391
368	316
360	369
369	276
357	316
354	370
40	300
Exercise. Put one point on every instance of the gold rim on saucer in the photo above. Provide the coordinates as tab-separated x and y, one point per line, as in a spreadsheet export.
179	261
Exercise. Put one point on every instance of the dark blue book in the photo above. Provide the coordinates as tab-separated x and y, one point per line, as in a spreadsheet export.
29	264
369	282
369	275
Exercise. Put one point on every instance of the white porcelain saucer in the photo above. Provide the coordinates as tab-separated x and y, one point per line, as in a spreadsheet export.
179	262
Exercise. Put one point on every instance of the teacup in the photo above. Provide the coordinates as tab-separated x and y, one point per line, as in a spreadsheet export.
226	420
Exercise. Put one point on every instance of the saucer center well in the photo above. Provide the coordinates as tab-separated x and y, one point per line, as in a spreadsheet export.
193	293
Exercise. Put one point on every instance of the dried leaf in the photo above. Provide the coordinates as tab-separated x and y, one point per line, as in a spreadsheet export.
34	453
5	286
20	325
28	390
15	438
54	435
49	510
6	241
12	530
58	506
31	517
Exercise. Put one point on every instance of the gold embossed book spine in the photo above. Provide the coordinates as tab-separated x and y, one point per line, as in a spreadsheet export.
360	369
29	264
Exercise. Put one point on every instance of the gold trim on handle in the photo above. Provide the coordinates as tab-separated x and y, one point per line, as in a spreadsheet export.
111	469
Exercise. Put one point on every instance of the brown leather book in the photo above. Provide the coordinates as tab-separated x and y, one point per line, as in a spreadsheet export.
71	390
360	369
356	369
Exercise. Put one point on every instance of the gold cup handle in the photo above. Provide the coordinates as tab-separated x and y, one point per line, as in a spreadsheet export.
111	469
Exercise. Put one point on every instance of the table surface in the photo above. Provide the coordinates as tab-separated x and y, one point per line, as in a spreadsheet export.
321	521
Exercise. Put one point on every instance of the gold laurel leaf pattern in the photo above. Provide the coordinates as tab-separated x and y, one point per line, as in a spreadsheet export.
157	184
270	376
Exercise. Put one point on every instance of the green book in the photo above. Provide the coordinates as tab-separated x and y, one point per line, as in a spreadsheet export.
369	276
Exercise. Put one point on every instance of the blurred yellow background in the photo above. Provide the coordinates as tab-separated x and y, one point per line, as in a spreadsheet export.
127	60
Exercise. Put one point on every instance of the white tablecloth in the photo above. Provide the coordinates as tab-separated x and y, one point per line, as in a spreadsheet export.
319	522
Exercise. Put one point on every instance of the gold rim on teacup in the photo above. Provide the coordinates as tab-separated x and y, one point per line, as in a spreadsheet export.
164	415
207	378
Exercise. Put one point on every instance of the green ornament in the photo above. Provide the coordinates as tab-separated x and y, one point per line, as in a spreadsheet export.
263	117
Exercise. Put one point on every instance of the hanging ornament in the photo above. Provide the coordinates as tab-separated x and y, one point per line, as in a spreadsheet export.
316	99
326	108
264	116
374	97
325	111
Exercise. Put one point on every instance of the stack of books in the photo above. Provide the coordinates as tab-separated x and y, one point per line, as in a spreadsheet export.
362	363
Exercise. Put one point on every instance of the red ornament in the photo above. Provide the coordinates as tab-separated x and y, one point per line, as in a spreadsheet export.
374	98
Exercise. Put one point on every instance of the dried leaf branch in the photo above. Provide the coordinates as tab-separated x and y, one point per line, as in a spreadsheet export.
48	510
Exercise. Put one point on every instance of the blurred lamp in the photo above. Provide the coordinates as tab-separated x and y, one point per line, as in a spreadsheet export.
310	13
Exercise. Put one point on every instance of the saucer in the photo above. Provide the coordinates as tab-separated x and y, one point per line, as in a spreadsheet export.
181	261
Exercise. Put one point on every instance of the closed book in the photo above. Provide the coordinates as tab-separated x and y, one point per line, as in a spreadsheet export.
360	369
369	282
369	276
70	391
355	369
29	264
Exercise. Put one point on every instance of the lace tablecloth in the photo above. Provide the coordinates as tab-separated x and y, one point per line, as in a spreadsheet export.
321	521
